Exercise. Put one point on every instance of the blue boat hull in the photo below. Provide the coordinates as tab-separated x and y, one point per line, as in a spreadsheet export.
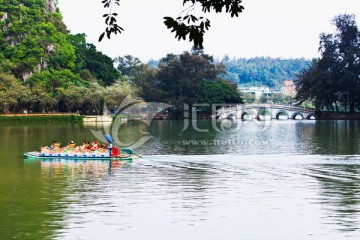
39	156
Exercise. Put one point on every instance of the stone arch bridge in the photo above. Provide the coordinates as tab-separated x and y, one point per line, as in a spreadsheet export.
264	111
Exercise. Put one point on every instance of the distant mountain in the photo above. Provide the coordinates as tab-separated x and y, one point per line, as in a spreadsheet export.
263	71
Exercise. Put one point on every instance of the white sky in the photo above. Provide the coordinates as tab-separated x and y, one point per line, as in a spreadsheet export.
275	28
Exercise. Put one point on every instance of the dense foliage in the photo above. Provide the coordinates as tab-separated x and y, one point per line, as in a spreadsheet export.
187	78
333	80
44	68
263	71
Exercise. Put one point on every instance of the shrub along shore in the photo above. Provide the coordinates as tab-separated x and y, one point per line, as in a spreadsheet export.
41	118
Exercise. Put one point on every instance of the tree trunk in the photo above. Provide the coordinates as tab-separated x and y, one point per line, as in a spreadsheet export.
351	107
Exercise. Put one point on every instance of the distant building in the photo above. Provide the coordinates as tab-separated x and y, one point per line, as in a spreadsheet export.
258	91
288	88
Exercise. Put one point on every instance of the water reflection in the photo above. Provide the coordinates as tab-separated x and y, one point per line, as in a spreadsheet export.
65	187
86	169
29	207
75	169
339	193
291	180
334	137
244	137
190	185
97	125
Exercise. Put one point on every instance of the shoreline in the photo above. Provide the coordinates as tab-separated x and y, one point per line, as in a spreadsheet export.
77	118
37	114
41	118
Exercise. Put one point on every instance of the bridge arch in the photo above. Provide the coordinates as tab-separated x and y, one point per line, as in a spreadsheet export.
296	114
261	114
231	116
247	115
280	112
311	116
220	116
264	112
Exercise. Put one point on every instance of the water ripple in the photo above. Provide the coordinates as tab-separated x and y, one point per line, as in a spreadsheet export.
156	195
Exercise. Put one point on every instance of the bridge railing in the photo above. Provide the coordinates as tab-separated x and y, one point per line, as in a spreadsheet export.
282	106
267	105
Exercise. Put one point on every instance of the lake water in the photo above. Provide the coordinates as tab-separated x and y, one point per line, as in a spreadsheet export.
275	179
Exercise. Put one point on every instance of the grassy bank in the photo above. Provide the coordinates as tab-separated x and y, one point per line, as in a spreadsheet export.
40	118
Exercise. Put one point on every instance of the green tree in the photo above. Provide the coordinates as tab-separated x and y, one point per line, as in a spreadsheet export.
55	79
318	85
279	98
73	97
186	78
94	95
115	94
100	65
42	100
80	44
263	71
42	64
264	99
33	38
180	77
90	60
221	91
334	78
13	94
248	97
128	65
148	84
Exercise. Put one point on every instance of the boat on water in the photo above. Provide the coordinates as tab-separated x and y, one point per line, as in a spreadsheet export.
77	152
39	155
112	153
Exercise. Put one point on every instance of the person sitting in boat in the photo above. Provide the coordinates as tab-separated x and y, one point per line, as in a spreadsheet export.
71	145
89	146
84	145
95	145
52	146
